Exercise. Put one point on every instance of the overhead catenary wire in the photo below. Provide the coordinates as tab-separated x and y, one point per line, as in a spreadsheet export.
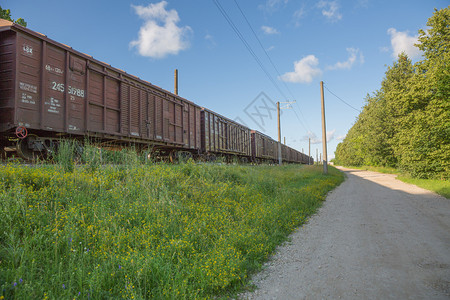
249	48
275	68
340	98
247	45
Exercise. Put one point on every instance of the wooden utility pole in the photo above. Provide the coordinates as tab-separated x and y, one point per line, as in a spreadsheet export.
176	82
324	133
280	160
285	140
320	156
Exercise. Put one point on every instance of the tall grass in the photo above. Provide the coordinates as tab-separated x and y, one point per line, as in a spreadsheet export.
141	231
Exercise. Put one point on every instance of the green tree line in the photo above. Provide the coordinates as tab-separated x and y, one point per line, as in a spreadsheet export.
406	123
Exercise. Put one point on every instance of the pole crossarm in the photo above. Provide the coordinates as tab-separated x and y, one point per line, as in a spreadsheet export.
288	104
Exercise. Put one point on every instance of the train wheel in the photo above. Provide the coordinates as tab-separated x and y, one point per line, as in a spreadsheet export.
244	160
24	150
211	158
184	156
179	156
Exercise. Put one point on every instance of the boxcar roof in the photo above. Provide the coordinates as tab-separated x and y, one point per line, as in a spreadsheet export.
260	133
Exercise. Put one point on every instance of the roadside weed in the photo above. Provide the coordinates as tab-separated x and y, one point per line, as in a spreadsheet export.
141	231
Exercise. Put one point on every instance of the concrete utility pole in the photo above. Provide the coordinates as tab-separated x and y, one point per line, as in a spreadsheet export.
288	105
309	151
324	133
280	160
317	155
176	82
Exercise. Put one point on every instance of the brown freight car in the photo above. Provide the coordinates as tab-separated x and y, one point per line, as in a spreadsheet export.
293	156
48	90
222	136
264	148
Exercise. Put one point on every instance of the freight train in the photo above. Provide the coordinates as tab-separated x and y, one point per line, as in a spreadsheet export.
49	91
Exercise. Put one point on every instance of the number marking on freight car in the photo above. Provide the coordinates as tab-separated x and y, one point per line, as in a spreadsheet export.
28	87
27	99
57	86
54	105
71	90
27	49
76	92
55	70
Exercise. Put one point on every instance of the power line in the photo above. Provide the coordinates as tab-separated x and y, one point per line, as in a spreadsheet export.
275	68
260	44
247	45
341	99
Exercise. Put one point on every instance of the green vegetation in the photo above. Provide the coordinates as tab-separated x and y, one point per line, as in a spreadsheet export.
141	230
406	124
441	187
6	14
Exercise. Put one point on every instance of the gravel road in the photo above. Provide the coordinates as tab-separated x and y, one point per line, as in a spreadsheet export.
375	237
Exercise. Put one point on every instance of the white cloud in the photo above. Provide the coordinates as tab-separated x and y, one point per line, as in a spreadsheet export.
330	9
160	36
270	48
402	42
384	49
340	137
269	30
363	3
272	5
211	41
316	140
298	15
330	135
354	55
304	70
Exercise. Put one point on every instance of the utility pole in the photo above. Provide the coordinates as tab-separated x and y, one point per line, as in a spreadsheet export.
176	82
280	160
309	151
317	156
320	156
288	105
324	133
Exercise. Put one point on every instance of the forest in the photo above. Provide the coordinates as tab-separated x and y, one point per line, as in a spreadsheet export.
406	123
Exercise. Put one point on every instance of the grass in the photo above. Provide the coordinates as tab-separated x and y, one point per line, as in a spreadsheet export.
146	230
441	187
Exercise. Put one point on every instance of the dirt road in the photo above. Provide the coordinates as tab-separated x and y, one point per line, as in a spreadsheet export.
374	238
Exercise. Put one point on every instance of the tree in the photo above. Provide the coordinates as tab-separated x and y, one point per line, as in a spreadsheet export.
406	124
6	14
423	140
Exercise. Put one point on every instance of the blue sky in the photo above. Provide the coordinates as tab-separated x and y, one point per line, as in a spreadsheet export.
293	46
